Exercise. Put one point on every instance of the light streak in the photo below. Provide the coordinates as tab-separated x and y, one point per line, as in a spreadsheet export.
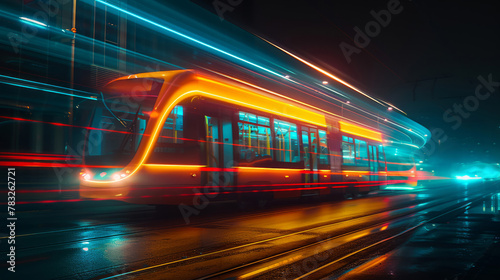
143	18
35	158
44	87
173	165
360	131
398	188
53	164
273	266
375	117
37	154
316	108
328	184
69	125
31	21
323	72
467	177
189	38
340	81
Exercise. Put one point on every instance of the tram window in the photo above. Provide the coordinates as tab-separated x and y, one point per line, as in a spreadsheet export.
347	150
361	153
252	118
381	158
172	131
287	143
176	143
247	117
263	121
254	136
347	139
323	148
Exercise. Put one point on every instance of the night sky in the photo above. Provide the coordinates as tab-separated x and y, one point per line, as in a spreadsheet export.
426	60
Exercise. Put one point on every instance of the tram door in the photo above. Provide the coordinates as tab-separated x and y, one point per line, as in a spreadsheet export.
372	156
310	156
219	150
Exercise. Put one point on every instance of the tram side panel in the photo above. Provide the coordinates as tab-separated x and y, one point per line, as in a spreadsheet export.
335	154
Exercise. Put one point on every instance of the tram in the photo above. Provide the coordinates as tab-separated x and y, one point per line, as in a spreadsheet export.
172	137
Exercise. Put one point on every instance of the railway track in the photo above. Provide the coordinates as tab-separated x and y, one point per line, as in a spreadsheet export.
330	255
279	248
148	222
262	254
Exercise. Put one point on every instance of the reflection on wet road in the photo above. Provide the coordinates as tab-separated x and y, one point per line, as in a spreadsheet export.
285	241
442	250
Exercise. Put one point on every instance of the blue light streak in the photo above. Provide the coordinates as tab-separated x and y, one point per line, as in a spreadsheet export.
467	177
188	38
33	22
40	86
399	188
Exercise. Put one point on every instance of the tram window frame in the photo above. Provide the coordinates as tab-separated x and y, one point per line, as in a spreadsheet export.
381	157
295	156
361	154
261	123
324	152
348	141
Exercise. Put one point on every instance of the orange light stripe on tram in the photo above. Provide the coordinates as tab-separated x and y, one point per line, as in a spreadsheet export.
360	131
200	167
355	171
305	104
319	119
270	168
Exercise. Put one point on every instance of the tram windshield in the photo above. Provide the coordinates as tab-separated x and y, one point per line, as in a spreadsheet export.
119	121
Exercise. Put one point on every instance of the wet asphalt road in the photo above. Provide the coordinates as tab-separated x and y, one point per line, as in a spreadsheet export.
446	249
96	240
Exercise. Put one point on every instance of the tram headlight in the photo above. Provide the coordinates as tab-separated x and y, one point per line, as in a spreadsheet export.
118	175
87	176
102	175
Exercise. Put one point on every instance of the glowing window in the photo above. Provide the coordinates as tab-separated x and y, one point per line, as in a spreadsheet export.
347	152
347	139
361	153
323	148
254	136
287	144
